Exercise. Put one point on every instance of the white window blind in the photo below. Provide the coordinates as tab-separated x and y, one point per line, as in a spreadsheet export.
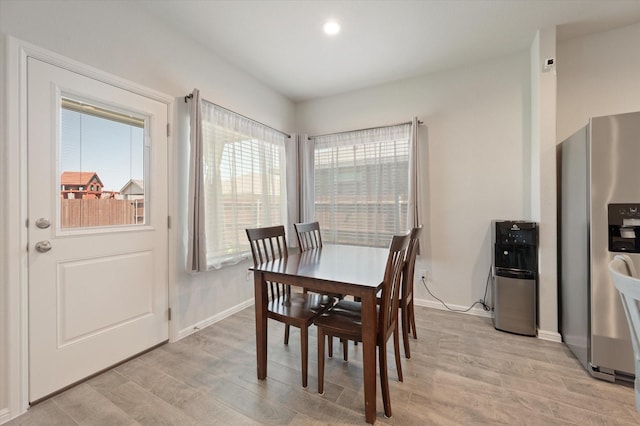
361	185
244	182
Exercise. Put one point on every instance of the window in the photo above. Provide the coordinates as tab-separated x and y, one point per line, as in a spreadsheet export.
362	185
244	182
91	179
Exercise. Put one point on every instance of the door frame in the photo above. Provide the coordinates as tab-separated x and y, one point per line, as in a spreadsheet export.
14	187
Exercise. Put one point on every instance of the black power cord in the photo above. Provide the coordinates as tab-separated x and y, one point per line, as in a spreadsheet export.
482	301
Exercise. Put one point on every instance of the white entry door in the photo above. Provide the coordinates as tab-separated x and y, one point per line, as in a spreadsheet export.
97	226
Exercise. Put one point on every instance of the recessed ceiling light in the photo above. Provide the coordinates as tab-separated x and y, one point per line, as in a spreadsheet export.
331	28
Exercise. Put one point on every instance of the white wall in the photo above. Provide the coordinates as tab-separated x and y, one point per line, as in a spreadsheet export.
598	75
543	179
476	134
119	38
4	293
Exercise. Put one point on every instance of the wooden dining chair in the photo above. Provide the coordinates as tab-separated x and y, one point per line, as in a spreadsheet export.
347	324
407	309
406	299
309	236
623	275
284	305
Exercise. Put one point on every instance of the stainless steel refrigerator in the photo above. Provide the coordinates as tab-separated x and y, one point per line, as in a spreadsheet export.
599	216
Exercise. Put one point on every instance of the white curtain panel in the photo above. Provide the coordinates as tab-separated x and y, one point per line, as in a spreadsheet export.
245	182
361	185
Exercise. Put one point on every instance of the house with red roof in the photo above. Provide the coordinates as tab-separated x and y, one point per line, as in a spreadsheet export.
75	185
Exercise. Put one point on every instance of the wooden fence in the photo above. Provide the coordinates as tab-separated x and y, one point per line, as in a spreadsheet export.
75	213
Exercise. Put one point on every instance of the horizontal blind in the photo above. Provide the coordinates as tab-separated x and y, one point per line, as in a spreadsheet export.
244	175
361	185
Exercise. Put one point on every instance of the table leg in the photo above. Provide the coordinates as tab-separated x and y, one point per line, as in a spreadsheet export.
369	331
260	293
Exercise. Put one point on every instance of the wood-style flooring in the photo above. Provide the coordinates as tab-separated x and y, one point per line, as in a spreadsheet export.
462	372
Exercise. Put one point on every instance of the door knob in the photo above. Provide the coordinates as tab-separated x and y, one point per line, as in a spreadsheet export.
43	246
43	223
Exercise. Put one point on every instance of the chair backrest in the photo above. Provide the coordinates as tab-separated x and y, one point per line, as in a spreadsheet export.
623	274
410	262
391	286
268	244
309	236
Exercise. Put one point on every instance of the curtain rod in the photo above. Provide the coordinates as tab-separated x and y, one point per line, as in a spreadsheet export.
190	95
361	130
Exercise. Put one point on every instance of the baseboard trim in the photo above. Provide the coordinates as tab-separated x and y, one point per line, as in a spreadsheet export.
213	319
479	312
5	415
551	336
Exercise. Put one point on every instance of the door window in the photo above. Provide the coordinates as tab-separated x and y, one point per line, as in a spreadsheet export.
101	167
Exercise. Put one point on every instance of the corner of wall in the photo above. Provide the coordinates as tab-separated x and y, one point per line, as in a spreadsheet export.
550	336
4	410
543	172
534	175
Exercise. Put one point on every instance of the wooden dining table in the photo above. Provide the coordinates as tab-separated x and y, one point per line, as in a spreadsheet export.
338	269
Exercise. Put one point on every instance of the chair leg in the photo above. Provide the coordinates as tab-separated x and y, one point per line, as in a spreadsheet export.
345	349
321	360
286	334
396	348
330	346
304	351
384	379
412	317
405	330
636	384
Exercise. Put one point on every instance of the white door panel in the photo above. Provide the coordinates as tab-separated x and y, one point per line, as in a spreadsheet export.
100	294
80	317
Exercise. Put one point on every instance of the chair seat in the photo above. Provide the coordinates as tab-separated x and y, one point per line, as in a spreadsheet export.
299	307
343	319
347	305
355	306
339	323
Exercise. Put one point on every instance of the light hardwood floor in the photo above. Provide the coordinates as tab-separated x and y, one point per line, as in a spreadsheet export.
462	372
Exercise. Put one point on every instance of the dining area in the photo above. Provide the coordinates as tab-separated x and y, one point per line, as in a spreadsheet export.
379	280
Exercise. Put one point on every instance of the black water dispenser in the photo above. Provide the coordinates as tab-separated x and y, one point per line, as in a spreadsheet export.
515	276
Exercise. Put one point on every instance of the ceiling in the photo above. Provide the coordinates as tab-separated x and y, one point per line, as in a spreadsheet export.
281	43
